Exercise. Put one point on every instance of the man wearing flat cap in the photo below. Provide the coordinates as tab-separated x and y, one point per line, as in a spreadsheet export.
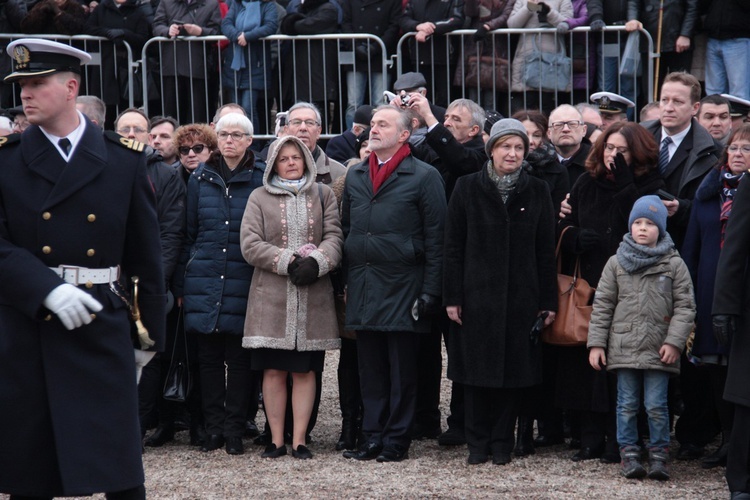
411	83
613	107
77	216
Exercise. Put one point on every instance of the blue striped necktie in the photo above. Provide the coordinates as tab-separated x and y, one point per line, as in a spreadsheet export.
664	154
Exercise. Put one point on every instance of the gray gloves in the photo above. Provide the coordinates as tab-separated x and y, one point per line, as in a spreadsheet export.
72	305
597	25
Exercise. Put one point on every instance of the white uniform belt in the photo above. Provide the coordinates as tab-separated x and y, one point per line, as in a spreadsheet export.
76	275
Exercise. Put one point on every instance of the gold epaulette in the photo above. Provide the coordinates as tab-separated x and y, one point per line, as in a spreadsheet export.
124	141
9	139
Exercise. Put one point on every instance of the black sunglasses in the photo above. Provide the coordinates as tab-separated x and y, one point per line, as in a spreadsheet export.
197	149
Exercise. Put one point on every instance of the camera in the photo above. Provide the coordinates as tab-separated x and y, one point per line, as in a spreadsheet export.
404	99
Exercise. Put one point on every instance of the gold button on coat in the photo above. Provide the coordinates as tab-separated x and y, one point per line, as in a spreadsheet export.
91	218
89	284
46	249
46	216
90	252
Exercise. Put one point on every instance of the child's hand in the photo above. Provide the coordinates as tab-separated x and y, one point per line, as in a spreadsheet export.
597	358
669	354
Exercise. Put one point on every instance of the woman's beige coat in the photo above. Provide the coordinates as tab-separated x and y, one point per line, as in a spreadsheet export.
276	223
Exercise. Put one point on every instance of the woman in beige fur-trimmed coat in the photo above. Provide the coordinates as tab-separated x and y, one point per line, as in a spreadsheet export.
291	234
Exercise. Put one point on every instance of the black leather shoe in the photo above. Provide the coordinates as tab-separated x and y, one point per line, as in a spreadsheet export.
452	437
348	438
302	452
272	451
213	442
162	435
739	495
575	444
477	458
393	453
262	439
542	441
586	454
689	451
251	429
609	457
501	458
421	432
717	458
368	451
235	446
197	435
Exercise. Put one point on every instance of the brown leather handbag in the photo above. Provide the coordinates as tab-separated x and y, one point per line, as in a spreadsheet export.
575	297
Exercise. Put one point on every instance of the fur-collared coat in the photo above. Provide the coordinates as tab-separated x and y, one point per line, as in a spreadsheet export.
281	315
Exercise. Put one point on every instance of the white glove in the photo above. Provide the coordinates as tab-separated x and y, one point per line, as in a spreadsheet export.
70	305
142	358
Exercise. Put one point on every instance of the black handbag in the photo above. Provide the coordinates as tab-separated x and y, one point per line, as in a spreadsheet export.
178	384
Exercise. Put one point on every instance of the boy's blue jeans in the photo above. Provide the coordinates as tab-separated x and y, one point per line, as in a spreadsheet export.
654	384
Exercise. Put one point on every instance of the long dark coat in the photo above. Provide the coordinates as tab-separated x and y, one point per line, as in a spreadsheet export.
597	204
133	21
393	245
732	295
69	420
309	68
499	266
700	251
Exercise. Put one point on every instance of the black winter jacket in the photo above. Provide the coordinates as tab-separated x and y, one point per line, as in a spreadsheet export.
679	19
447	16
727	19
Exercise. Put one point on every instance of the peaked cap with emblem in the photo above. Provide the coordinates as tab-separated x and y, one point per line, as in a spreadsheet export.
737	106
37	57
611	103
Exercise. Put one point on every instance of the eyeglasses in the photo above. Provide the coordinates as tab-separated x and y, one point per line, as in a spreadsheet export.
234	135
735	148
126	130
572	125
197	149
297	122
611	147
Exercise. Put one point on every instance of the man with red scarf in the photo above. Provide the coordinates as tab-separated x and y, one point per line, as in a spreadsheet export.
393	211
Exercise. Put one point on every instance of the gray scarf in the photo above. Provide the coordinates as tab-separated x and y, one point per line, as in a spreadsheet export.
293	186
633	256
505	184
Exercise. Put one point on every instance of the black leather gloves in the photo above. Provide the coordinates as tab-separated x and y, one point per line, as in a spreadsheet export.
427	304
587	239
116	35
287	25
622	172
597	25
367	51
306	271
724	327
544	10
480	34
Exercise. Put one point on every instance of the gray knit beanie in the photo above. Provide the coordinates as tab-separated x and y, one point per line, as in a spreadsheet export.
507	126
650	207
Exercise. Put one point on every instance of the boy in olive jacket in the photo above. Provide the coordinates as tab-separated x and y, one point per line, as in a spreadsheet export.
643	313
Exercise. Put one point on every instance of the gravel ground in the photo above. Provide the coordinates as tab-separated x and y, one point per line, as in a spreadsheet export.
178	471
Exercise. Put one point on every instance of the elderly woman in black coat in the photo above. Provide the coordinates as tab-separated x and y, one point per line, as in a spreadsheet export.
622	167
499	277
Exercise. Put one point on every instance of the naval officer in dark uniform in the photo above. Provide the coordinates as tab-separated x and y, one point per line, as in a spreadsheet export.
76	216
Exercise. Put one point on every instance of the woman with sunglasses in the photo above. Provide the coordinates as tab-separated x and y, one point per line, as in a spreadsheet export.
194	144
214	278
621	167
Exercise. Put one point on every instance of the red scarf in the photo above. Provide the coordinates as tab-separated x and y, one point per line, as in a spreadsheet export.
378	174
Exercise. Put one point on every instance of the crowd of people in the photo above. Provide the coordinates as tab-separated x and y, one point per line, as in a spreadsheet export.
420	224
190	79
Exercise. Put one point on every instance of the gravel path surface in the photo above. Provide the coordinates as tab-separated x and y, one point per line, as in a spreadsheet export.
179	471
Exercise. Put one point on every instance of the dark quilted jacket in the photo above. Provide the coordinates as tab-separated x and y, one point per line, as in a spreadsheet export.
213	277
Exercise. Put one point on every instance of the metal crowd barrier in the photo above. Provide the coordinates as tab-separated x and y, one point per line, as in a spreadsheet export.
95	76
205	81
485	71
482	73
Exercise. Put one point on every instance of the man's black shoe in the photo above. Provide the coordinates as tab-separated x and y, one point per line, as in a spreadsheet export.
717	458
689	451
160	436
393	453
213	442
369	451
544	440
586	454
452	437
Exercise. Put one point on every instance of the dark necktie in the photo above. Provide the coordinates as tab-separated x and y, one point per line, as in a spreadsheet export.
64	144
664	154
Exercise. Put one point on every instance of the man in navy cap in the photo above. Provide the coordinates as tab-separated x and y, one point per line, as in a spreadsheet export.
739	109
77	216
613	107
